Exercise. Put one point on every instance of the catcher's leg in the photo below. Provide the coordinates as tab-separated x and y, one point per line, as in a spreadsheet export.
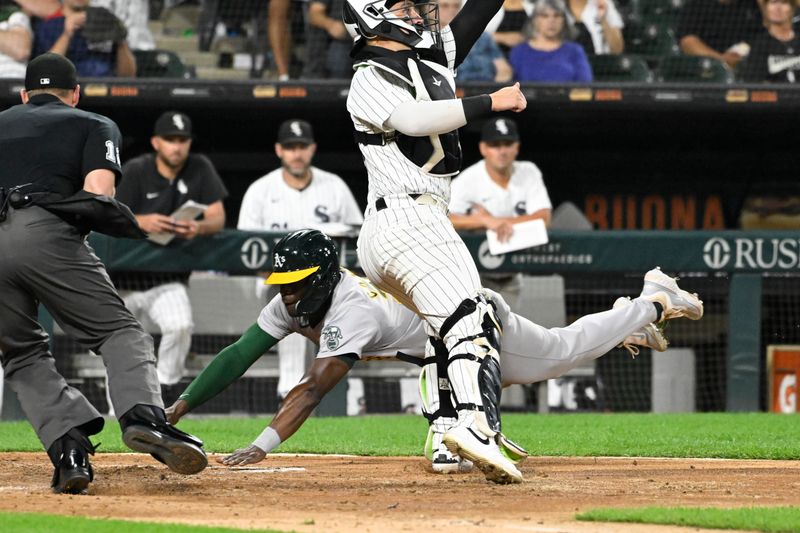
472	337
437	407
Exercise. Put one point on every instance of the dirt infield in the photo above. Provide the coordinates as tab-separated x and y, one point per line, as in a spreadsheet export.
343	494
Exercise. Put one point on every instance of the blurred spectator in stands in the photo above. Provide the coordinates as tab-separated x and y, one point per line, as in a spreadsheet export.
485	61
154	186
15	44
549	55
295	196
775	52
333	42
280	35
722	29
497	192
507	25
603	22
62	32
134	14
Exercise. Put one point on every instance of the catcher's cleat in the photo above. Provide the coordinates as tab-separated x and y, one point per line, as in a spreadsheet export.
650	336
470	443
146	430
442	461
658	287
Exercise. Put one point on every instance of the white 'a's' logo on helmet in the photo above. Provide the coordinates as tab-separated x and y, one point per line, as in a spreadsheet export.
501	126
178	121
279	260
296	129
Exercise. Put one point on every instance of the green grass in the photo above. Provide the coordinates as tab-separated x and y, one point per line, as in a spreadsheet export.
45	523
720	435
768	519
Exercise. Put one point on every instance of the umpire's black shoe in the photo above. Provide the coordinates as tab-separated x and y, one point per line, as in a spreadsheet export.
145	429
70	456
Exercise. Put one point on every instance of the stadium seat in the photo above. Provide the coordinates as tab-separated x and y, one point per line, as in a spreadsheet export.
664	12
650	40
620	68
694	69
160	64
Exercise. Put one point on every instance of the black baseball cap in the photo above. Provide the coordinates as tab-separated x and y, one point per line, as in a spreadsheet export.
295	131
50	71
173	124
500	129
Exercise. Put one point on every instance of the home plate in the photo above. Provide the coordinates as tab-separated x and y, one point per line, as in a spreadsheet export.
274	470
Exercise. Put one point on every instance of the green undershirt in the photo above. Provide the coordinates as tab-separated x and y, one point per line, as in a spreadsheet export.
228	366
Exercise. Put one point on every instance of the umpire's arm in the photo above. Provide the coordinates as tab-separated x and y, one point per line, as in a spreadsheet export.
100	181
298	405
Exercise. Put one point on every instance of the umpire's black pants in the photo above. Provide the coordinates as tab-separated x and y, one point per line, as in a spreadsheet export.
44	259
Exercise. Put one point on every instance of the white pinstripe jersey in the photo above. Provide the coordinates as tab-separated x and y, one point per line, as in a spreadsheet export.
361	320
271	204
525	193
374	95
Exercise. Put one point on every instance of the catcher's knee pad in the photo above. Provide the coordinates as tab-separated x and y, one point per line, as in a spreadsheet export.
472	335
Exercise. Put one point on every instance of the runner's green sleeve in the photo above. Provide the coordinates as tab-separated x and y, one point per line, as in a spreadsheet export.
228	366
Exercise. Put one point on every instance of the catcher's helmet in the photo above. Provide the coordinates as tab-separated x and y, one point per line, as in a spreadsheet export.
308	255
413	23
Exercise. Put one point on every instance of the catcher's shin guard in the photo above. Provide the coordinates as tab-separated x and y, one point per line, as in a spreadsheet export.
472	337
437	407
434	388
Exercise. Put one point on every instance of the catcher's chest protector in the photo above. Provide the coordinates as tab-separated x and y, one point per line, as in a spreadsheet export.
438	155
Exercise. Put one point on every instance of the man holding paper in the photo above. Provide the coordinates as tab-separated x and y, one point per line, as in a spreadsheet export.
167	190
496	194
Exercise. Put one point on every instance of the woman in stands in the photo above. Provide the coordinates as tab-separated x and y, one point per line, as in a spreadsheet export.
549	55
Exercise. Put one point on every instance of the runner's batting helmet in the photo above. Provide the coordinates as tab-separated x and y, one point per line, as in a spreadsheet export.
307	255
413	23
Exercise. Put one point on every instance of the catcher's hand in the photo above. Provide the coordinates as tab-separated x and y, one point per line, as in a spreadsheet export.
243	456
101	25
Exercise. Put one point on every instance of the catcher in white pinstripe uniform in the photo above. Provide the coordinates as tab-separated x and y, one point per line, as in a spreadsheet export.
406	116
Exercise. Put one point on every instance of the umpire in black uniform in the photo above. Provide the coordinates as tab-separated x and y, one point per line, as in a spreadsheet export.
58	166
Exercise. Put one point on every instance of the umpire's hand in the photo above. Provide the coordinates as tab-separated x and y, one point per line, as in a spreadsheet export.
509	99
243	456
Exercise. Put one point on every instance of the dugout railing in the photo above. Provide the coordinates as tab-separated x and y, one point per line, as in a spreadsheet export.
748	280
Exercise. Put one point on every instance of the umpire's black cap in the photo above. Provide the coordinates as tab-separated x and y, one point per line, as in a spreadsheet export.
50	71
500	129
295	132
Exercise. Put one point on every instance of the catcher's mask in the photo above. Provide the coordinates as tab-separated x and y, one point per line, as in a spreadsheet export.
413	23
310	256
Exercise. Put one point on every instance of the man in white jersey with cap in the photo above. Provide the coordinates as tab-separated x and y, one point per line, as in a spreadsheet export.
497	192
297	195
352	320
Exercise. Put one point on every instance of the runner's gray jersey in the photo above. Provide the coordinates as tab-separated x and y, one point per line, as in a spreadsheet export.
361	320
367	322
